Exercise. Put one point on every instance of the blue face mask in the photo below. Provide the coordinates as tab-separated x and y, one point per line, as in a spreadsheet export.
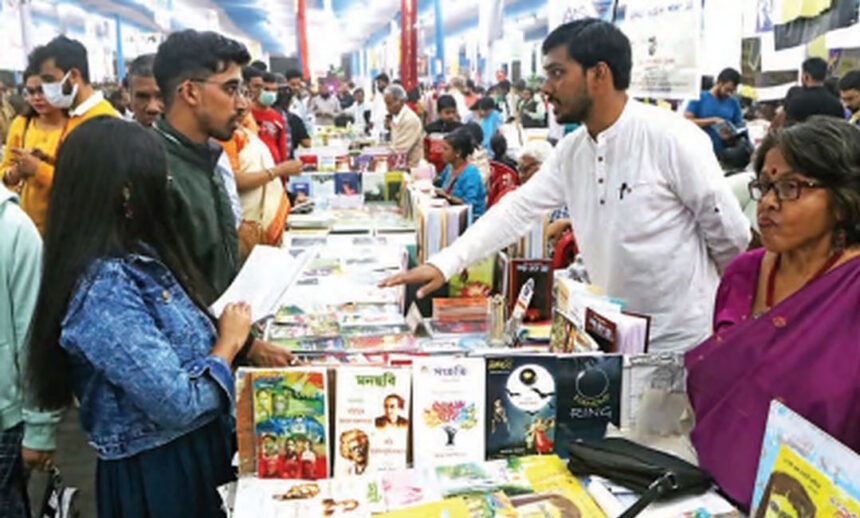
268	98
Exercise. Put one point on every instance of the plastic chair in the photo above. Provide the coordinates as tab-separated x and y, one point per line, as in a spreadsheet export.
498	195
501	177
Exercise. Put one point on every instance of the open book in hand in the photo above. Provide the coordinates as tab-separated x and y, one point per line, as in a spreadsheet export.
264	279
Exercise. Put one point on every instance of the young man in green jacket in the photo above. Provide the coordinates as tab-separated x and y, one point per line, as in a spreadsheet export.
200	77
26	436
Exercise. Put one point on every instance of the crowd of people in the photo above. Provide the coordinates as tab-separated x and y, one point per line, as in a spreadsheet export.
124	218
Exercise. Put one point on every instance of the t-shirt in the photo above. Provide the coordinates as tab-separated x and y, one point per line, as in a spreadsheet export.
298	133
803	102
728	109
272	132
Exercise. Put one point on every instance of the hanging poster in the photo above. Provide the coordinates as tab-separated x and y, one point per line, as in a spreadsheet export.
665	36
563	11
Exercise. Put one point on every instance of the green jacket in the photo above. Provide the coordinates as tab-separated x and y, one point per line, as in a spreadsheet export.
20	272
201	206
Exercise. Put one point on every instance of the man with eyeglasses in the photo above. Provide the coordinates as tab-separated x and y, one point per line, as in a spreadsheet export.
200	78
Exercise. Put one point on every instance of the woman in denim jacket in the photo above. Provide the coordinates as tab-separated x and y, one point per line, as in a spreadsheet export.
119	326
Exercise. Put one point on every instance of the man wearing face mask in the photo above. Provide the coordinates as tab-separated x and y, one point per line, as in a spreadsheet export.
272	128
200	78
652	213
65	74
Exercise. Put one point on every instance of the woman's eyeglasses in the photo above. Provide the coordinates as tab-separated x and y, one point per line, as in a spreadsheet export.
785	190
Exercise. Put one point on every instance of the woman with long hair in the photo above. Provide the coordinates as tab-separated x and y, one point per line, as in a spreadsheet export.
120	325
460	181
31	147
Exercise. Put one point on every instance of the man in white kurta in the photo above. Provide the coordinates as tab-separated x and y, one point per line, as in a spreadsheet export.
651	211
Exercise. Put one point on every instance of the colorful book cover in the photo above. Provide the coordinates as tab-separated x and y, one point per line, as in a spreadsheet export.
348	184
372	421
470	478
602	330
346	497
589	397
474	281
446	329
522	270
300	184
521	406
821	456
393	185
448	410
326	164
290	423
398	342
797	488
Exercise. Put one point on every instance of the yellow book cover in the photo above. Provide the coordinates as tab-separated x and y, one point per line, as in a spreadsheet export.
449	508
797	489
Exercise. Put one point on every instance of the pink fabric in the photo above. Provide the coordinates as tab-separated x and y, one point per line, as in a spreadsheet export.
805	352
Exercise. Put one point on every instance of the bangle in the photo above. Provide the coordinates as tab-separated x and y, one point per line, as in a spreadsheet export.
270	173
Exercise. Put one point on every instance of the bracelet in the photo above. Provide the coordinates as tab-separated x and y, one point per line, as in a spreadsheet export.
270	173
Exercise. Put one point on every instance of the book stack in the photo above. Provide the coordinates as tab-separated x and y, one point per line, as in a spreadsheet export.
458	318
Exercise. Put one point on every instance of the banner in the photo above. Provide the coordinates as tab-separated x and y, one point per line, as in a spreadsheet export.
842	13
666	37
562	11
408	44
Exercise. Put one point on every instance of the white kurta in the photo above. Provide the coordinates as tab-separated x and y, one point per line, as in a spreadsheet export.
652	213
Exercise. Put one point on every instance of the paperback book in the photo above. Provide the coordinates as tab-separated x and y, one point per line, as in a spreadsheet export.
448	410
589	397
347	497
372	420
521	405
290	423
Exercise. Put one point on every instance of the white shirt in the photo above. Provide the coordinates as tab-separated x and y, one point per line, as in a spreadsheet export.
378	114
298	108
226	171
87	105
357	111
651	211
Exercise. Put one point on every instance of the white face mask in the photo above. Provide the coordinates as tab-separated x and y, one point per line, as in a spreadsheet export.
55	96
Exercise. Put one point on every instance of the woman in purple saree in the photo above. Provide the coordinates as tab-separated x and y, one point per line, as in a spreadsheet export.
787	317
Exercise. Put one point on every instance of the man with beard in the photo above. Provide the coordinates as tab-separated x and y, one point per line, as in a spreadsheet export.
849	91
199	75
650	208
717	108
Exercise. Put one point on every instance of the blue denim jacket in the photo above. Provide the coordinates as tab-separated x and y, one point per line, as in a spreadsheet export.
141	366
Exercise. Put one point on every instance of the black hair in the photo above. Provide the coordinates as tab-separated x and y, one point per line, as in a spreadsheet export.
590	41
484	103
816	68
729	75
250	72
141	66
850	81
470	84
444	102
115	100
293	74
461	141
499	145
383	77
259	65
28	112
102	205
191	54
476	132
66	53
268	77
826	149
832	85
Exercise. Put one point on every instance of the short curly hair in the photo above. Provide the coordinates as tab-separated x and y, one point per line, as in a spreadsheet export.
825	149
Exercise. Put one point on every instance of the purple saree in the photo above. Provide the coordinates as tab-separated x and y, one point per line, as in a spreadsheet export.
804	352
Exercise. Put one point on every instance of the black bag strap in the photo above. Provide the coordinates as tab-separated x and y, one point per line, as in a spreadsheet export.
665	484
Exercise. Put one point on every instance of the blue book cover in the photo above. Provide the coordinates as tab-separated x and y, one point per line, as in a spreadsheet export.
520	406
300	184
347	183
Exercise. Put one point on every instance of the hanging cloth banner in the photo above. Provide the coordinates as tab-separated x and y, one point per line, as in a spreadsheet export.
302	35
408	44
666	61
842	13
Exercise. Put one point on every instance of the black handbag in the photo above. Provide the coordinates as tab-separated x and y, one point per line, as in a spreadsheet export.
59	500
653	474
